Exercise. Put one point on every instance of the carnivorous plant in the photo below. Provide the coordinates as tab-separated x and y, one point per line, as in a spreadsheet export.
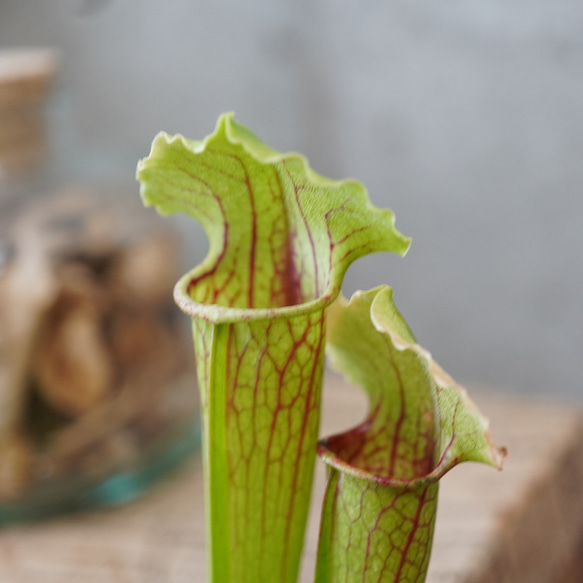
281	238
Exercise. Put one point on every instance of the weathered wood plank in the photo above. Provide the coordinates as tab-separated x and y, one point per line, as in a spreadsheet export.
524	524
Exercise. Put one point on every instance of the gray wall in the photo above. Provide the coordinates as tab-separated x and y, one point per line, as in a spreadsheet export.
465	118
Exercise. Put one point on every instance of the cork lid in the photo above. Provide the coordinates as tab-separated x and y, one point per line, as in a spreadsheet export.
25	76
25	80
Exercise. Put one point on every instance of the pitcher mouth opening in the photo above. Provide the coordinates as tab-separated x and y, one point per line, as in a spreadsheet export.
222	314
329	450
326	452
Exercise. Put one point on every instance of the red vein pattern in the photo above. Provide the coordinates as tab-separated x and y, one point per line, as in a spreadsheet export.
379	533
272	416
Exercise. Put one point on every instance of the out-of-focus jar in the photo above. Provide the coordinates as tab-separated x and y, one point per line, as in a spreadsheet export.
97	395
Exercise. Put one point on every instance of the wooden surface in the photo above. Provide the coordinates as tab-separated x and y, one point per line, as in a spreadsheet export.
522	525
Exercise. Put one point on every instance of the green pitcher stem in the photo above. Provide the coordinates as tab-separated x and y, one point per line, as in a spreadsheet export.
260	433
390	530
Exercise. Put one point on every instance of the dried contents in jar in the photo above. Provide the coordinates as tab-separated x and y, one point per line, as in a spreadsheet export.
93	356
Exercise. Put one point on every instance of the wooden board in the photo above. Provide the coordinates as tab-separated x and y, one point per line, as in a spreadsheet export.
524	525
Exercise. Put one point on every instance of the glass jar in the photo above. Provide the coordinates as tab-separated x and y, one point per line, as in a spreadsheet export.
97	395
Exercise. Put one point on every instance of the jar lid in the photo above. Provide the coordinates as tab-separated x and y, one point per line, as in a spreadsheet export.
25	80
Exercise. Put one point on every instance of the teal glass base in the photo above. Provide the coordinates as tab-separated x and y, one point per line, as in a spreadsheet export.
75	495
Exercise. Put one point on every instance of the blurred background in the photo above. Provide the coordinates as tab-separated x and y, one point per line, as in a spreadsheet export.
465	118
